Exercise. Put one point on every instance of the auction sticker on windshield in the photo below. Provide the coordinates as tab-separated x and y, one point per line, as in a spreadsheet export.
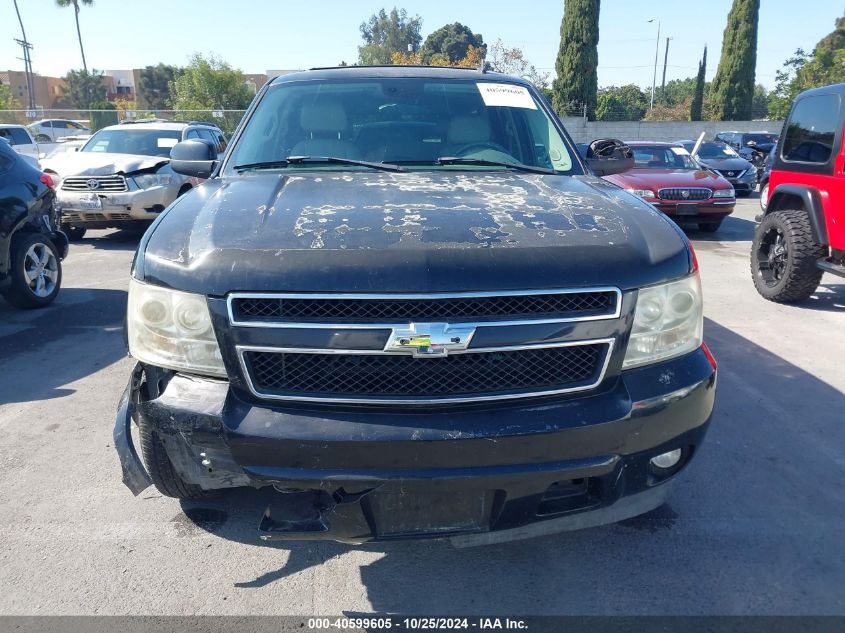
506	95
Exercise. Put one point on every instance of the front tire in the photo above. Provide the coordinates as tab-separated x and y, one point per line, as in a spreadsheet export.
764	196
784	256
165	478
35	270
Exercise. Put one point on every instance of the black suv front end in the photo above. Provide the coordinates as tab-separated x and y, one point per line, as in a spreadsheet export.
478	352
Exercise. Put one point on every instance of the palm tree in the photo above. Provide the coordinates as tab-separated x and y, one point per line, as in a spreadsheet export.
75	4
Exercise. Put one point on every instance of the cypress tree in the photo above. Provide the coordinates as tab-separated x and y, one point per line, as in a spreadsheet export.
698	95
732	90
577	59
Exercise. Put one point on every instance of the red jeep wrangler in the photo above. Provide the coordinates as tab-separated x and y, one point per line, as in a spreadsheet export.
802	234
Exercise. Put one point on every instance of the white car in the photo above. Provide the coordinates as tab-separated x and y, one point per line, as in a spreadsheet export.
54	129
21	141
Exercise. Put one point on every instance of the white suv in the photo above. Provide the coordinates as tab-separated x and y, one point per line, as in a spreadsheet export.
21	141
122	175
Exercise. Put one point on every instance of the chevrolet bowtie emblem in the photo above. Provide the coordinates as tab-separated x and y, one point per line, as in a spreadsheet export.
430	339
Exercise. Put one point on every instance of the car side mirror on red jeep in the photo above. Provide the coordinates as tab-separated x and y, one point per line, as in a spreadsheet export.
195	157
609	156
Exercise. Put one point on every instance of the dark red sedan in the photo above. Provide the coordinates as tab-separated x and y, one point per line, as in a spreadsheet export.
669	178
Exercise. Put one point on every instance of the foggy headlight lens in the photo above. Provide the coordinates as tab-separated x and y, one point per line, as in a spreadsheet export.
642	193
146	181
668	322
172	329
723	193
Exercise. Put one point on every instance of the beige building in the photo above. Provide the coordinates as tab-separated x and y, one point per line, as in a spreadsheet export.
46	90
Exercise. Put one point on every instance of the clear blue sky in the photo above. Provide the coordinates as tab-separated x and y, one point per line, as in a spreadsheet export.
257	35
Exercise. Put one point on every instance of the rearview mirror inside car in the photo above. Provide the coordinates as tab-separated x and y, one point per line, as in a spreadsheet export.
196	157
609	156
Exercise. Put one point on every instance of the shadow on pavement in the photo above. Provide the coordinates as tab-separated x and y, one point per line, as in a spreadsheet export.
733	229
42	350
832	301
750	528
117	240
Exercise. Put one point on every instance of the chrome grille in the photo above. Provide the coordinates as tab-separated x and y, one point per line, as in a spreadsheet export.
106	184
685	193
362	310
372	377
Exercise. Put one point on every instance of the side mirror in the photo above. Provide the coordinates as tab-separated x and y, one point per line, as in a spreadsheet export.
197	158
609	156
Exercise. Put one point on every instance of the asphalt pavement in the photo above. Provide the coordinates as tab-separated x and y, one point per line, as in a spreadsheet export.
753	527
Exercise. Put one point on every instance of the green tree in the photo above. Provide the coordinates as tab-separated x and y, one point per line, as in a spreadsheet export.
624	103
103	114
732	92
82	88
8	102
576	86
511	61
697	106
385	34
787	84
205	85
154	85
760	102
76	4
452	41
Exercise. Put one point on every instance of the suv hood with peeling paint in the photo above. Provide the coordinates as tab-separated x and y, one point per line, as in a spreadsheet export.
422	231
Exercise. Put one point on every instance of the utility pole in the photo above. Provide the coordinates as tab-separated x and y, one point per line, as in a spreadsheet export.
665	61
27	59
656	52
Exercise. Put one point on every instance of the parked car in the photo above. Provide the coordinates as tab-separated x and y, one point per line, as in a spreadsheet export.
121	177
63	145
752	146
54	129
31	245
722	159
802	232
21	141
403	300
764	179
666	176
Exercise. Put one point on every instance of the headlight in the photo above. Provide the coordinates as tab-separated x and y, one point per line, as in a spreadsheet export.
668	322
642	193
145	181
723	193
172	329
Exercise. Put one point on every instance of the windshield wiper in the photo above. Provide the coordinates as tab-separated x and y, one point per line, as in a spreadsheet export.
461	160
300	160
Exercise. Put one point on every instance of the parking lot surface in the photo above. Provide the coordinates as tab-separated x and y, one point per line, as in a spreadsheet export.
753	527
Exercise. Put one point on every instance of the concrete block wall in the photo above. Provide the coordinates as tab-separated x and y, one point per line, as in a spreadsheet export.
583	131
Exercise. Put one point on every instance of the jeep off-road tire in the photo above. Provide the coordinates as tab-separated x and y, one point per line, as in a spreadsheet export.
165	478
35	270
784	256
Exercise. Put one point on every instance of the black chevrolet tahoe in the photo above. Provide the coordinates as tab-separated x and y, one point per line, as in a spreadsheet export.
405	302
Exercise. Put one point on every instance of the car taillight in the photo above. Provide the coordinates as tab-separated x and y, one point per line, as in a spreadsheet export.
47	179
694	259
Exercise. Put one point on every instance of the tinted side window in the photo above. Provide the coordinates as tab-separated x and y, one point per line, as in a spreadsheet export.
7	157
192	134
16	135
811	130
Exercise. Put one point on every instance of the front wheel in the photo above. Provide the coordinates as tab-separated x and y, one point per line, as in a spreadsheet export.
764	196
165	478
784	256
35	270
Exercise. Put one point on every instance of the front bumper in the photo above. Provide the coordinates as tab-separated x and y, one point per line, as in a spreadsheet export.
115	209
478	474
710	211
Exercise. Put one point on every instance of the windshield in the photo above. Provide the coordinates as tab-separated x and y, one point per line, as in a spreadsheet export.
662	157
716	150
141	142
760	138
407	121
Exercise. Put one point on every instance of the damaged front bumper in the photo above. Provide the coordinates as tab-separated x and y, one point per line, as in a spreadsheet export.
480	474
